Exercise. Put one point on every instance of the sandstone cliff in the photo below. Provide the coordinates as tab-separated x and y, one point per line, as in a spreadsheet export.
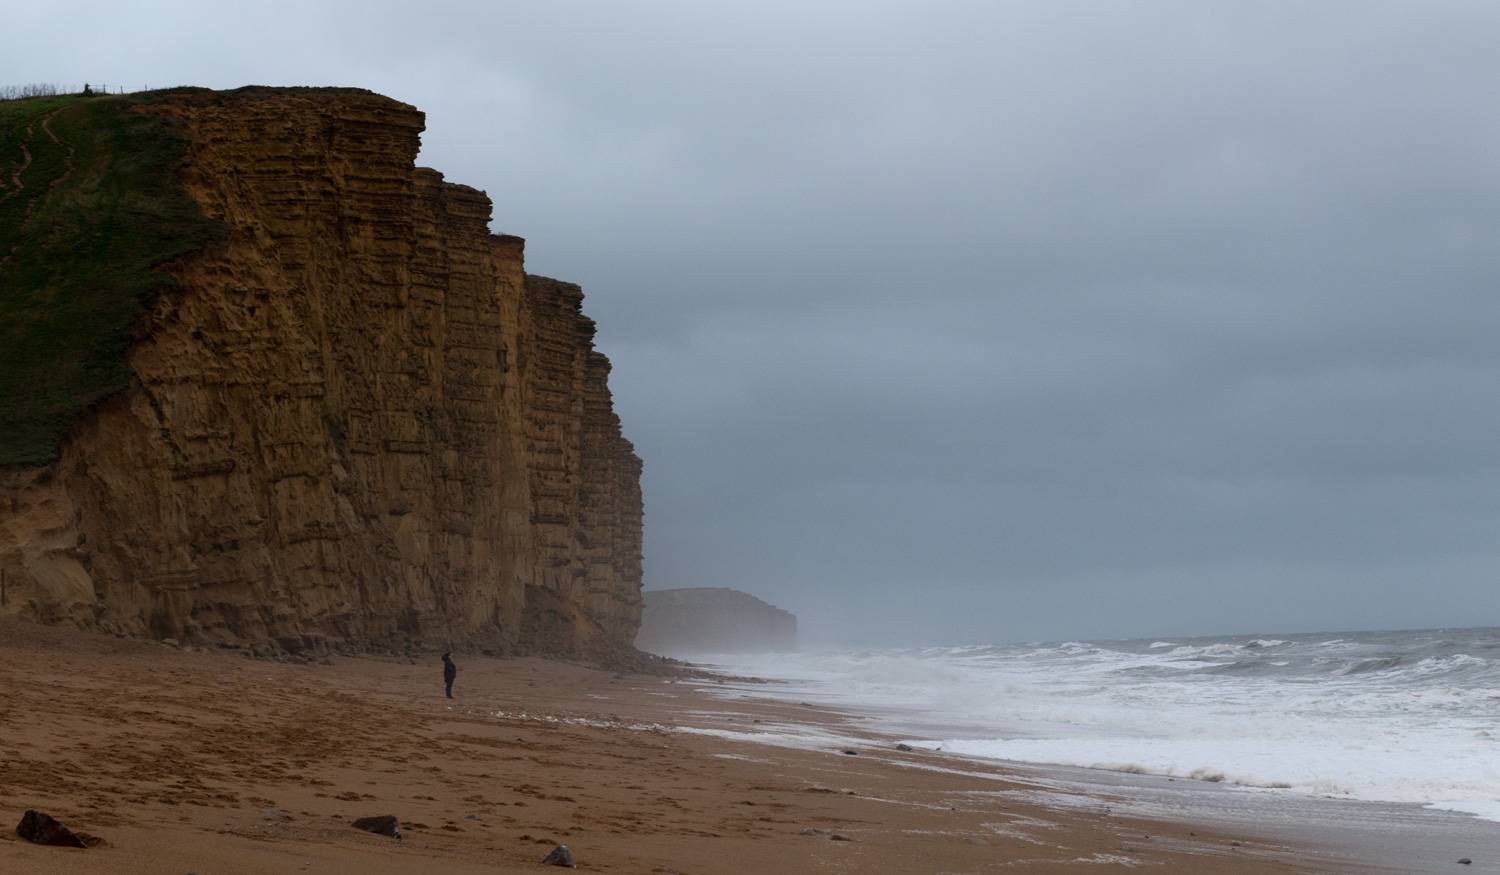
712	620
355	422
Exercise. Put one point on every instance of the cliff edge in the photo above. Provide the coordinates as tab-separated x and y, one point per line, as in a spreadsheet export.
353	420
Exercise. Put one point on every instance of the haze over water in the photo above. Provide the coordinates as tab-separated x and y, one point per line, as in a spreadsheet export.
1407	716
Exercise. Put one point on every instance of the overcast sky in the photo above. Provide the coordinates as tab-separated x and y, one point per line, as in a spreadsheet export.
984	322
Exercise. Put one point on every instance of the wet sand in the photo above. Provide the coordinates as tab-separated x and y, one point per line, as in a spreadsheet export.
212	763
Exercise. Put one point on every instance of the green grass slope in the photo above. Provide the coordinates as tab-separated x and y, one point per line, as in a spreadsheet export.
91	204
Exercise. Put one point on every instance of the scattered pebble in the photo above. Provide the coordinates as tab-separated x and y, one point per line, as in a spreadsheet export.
852	753
560	856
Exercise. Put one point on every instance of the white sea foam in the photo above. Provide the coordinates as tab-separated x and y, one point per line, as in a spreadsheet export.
1400	717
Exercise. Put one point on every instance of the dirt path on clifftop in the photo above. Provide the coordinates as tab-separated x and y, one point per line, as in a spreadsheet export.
20	186
15	178
67	160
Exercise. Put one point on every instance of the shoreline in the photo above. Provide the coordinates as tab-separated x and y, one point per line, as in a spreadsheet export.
1338	833
218	764
1385	716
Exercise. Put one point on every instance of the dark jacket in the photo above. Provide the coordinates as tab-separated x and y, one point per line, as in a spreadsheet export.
450	671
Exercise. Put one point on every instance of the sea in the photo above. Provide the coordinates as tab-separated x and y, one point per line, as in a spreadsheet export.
1397	717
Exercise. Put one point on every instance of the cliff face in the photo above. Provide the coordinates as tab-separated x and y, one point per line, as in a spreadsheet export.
713	619
357	421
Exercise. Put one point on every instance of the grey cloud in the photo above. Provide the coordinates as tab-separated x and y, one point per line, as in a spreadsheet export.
982	321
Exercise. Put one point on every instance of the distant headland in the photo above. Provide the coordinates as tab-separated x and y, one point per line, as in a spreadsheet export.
713	620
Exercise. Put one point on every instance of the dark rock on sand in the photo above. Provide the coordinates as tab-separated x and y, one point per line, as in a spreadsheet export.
851	753
560	856
1466	861
904	747
43	829
383	824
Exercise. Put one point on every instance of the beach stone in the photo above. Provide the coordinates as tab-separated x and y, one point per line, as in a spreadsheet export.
814	831
1466	862
903	747
850	753
381	824
43	829
560	856
836	837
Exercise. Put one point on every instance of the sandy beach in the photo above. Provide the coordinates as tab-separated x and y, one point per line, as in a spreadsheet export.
210	762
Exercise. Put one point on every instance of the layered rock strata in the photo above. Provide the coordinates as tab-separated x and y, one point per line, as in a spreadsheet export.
712	619
357	421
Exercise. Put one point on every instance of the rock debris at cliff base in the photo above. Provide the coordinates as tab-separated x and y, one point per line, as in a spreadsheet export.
356	421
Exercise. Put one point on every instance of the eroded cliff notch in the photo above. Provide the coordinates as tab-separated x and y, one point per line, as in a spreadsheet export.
354	420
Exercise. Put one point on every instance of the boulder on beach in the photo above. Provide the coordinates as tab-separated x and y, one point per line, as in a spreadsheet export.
382	824
43	829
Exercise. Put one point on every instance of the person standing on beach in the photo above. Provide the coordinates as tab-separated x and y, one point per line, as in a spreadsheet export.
450	671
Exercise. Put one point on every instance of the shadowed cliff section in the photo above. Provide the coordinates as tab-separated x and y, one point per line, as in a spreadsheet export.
353	421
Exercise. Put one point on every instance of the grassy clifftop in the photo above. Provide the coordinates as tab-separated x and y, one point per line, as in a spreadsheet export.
91	204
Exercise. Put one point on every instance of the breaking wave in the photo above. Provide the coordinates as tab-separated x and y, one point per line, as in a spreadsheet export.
1390	716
